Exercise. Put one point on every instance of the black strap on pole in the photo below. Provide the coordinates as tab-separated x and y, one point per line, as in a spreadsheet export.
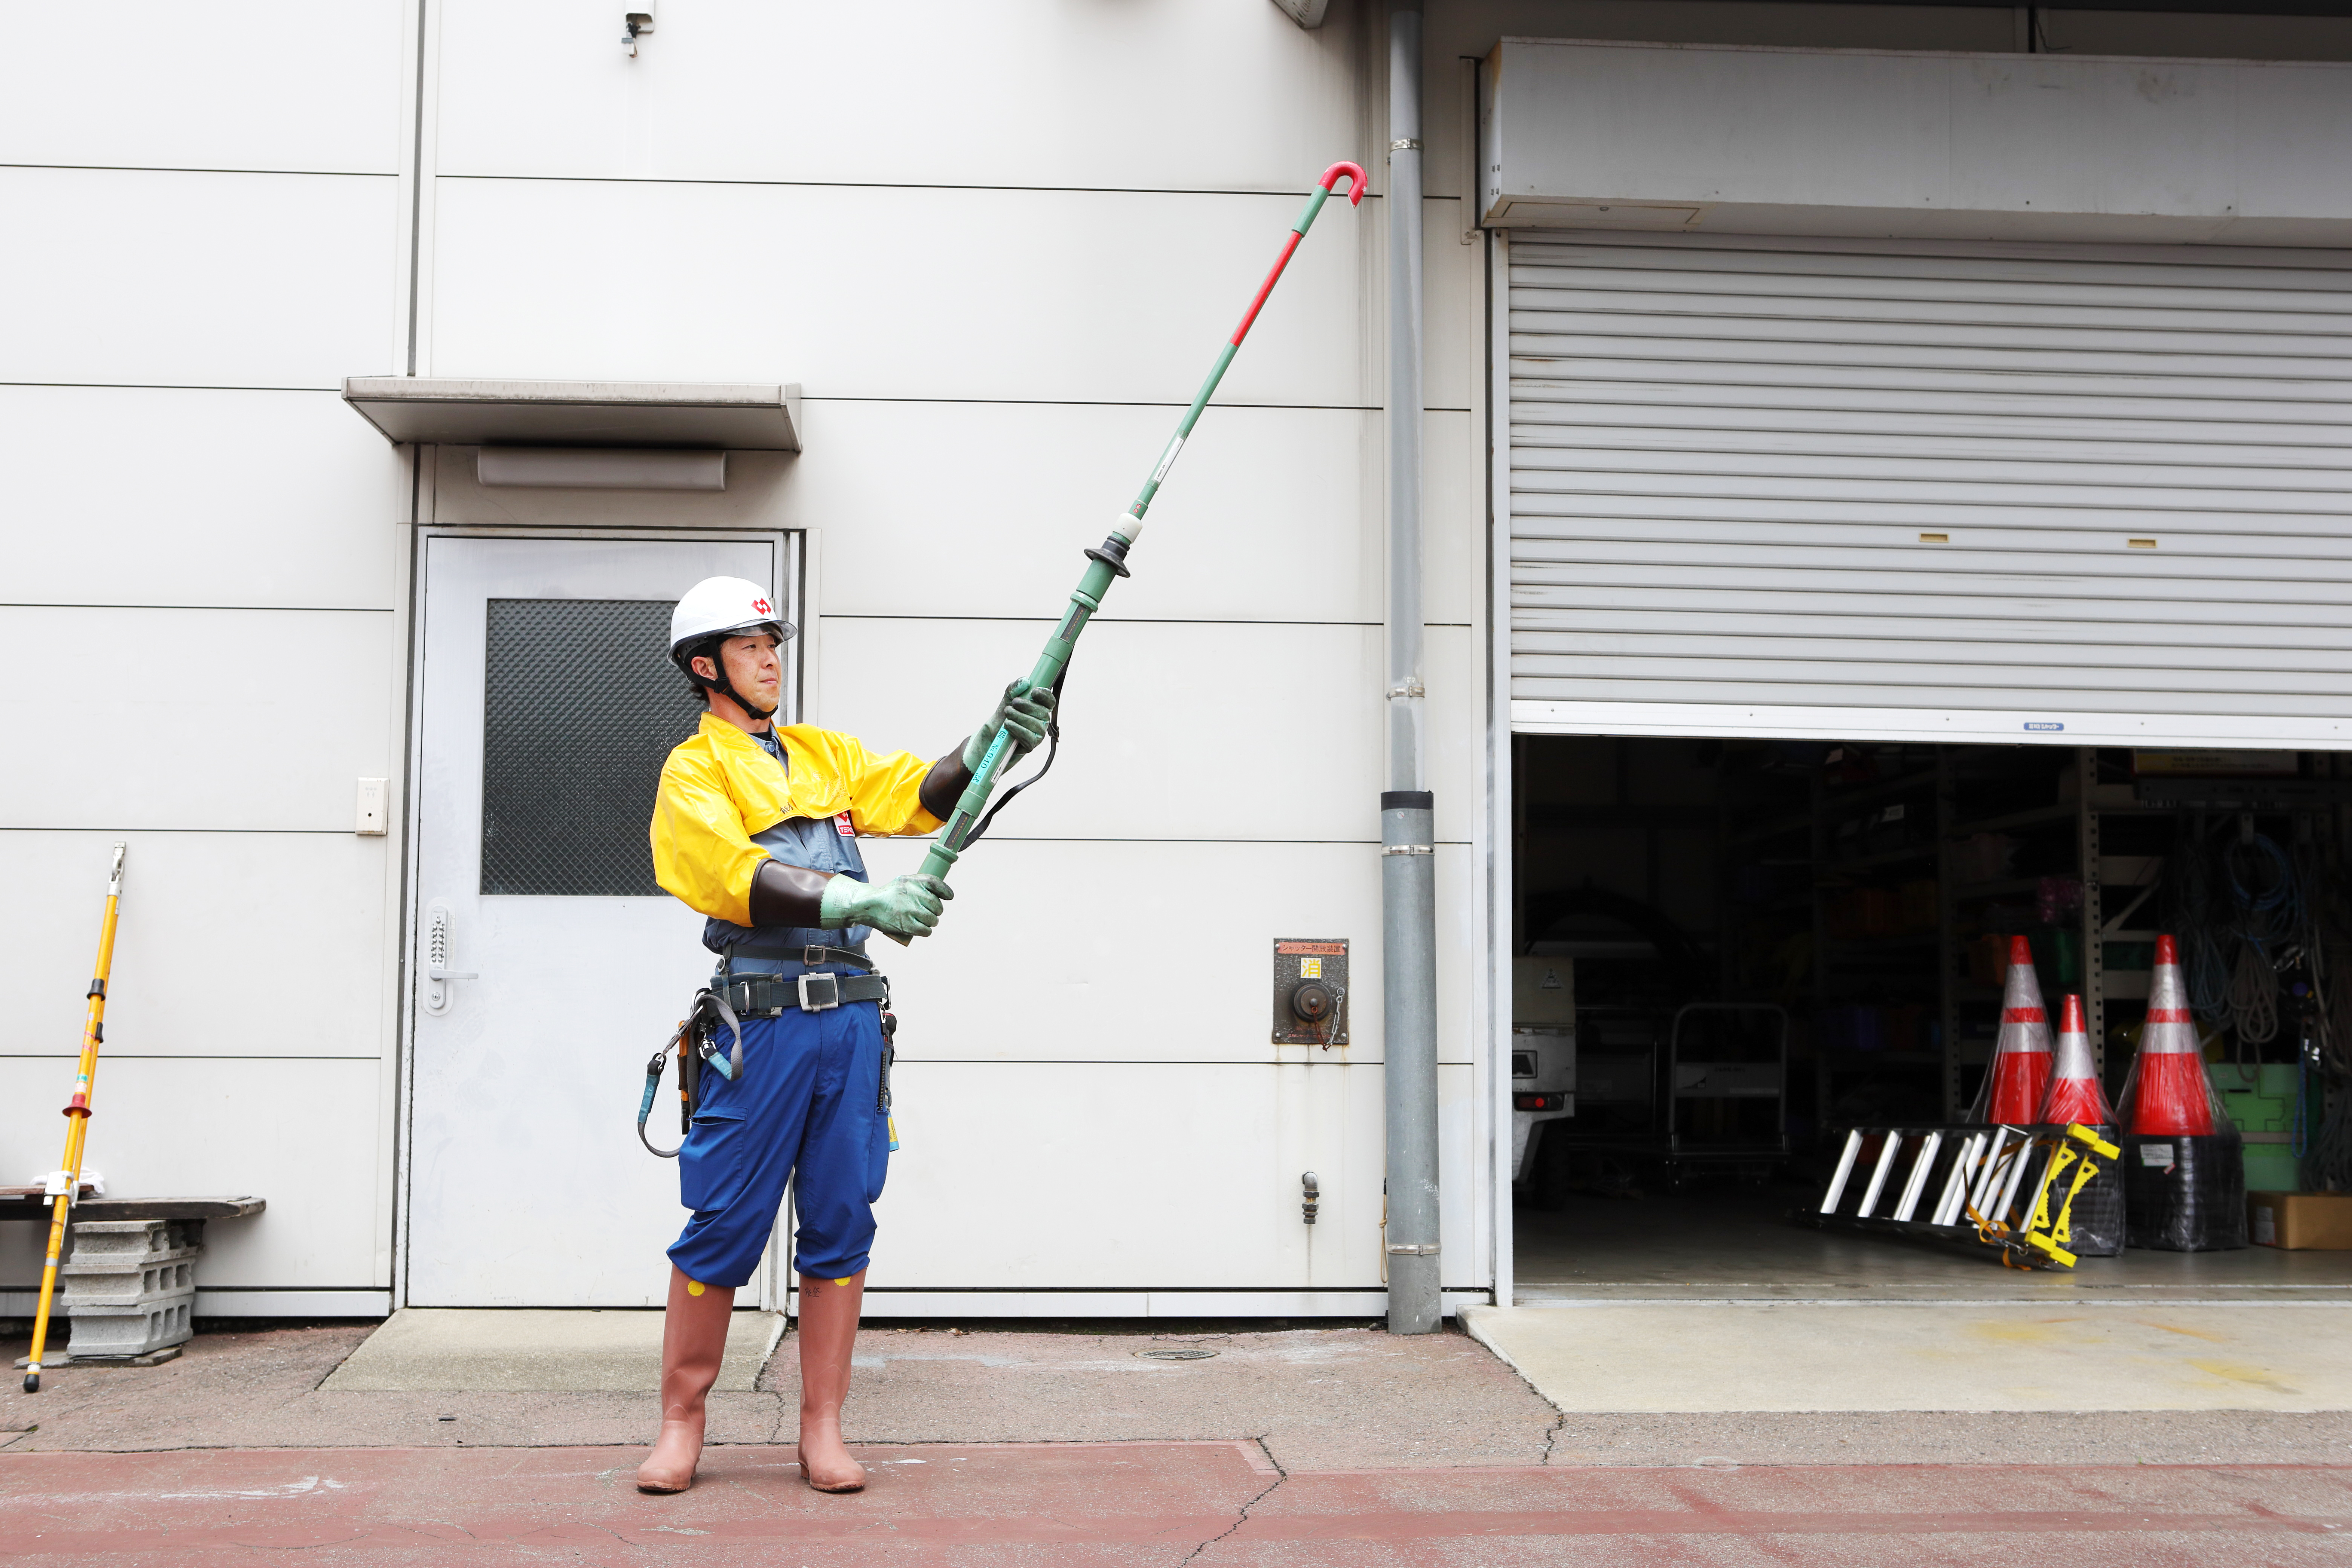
1052	745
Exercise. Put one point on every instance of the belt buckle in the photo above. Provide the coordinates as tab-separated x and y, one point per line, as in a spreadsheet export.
812	986
816	955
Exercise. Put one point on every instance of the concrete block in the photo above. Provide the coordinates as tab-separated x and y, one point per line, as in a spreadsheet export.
110	1282
132	1238
129	1286
123	1332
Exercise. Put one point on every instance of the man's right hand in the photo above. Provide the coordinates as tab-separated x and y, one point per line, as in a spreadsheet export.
903	907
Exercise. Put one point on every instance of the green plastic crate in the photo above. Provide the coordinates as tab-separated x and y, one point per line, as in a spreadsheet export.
2258	1099
2261	1100
2272	1168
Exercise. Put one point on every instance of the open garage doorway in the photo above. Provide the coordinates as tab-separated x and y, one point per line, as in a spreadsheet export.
1727	953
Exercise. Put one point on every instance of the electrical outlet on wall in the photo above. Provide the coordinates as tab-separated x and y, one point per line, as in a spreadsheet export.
374	815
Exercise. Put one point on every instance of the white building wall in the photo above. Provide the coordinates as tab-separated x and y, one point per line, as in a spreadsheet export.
996	295
997	245
200	643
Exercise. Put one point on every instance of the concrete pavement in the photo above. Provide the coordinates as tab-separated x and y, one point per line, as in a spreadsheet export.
526	1351
1845	1356
1316	1397
1158	1504
1310	1446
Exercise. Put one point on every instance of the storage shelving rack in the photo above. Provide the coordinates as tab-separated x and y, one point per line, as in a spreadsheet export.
1869	967
1779	837
2131	877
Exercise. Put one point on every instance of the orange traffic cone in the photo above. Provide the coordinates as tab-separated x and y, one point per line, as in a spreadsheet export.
2167	1091
2075	1095
2020	1055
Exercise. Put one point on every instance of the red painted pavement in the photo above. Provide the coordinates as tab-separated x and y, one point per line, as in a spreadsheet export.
1157	1503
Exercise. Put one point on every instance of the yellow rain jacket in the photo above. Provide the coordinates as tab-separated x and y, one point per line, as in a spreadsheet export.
720	786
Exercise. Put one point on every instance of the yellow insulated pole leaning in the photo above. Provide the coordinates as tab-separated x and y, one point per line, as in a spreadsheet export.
67	1182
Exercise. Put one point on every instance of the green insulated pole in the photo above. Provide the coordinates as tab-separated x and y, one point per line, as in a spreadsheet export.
1108	561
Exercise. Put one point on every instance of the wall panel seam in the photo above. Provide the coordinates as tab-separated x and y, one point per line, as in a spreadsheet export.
996	837
202	169
1214	191
158	386
225	609
179	1056
1097	620
807	397
134	828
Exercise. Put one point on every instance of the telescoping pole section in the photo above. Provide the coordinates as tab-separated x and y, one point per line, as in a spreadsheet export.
67	1182
1108	561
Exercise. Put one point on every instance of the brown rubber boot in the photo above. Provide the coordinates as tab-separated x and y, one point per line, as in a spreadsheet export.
829	1334
694	1341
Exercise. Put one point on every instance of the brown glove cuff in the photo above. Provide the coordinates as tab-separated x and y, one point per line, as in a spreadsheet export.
785	894
945	784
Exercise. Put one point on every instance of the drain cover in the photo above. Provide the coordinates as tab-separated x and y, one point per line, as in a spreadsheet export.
1175	1355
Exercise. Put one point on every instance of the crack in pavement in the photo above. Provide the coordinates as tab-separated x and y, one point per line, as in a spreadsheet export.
1242	1517
1551	1434
776	1427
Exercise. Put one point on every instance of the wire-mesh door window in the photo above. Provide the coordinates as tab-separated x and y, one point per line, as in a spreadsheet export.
582	705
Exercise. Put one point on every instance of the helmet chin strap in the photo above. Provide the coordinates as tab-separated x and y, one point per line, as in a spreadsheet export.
725	686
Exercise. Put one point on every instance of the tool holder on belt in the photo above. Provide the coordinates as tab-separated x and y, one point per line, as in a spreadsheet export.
741	996
696	1043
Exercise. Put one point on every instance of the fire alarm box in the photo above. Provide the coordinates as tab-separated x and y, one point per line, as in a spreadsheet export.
1310	992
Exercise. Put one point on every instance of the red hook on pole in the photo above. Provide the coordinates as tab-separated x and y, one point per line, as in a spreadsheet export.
1355	173
1108	563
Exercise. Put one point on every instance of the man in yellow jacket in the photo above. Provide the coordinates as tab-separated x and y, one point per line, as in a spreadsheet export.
756	828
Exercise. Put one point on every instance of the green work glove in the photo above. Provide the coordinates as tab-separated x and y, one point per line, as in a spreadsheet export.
902	907
1024	712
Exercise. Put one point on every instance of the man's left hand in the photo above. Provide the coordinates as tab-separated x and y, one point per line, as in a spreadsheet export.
1023	714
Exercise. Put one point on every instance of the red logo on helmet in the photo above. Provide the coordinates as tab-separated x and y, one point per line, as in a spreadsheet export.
760	605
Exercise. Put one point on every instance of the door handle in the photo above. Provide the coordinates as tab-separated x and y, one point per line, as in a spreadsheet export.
437	972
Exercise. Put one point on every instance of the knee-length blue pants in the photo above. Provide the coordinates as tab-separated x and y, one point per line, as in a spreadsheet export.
808	1102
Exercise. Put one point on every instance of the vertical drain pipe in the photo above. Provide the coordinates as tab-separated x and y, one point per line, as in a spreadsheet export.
1408	861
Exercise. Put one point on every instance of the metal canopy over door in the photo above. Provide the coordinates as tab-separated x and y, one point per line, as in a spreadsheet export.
1782	487
546	705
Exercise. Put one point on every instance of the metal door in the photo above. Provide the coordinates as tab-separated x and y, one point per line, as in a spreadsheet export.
545	965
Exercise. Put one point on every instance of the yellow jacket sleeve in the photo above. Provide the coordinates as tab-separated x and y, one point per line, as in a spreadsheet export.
701	853
885	792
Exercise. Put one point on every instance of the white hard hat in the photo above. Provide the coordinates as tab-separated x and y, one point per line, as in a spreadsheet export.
722	606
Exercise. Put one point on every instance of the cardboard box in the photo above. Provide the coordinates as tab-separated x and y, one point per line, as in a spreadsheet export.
2319	1222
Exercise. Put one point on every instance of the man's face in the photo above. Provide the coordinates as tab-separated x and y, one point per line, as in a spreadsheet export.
752	667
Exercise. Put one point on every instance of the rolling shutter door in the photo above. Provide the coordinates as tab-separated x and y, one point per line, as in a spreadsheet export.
1883	475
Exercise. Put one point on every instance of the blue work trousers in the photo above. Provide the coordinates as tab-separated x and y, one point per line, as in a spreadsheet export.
809	1101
